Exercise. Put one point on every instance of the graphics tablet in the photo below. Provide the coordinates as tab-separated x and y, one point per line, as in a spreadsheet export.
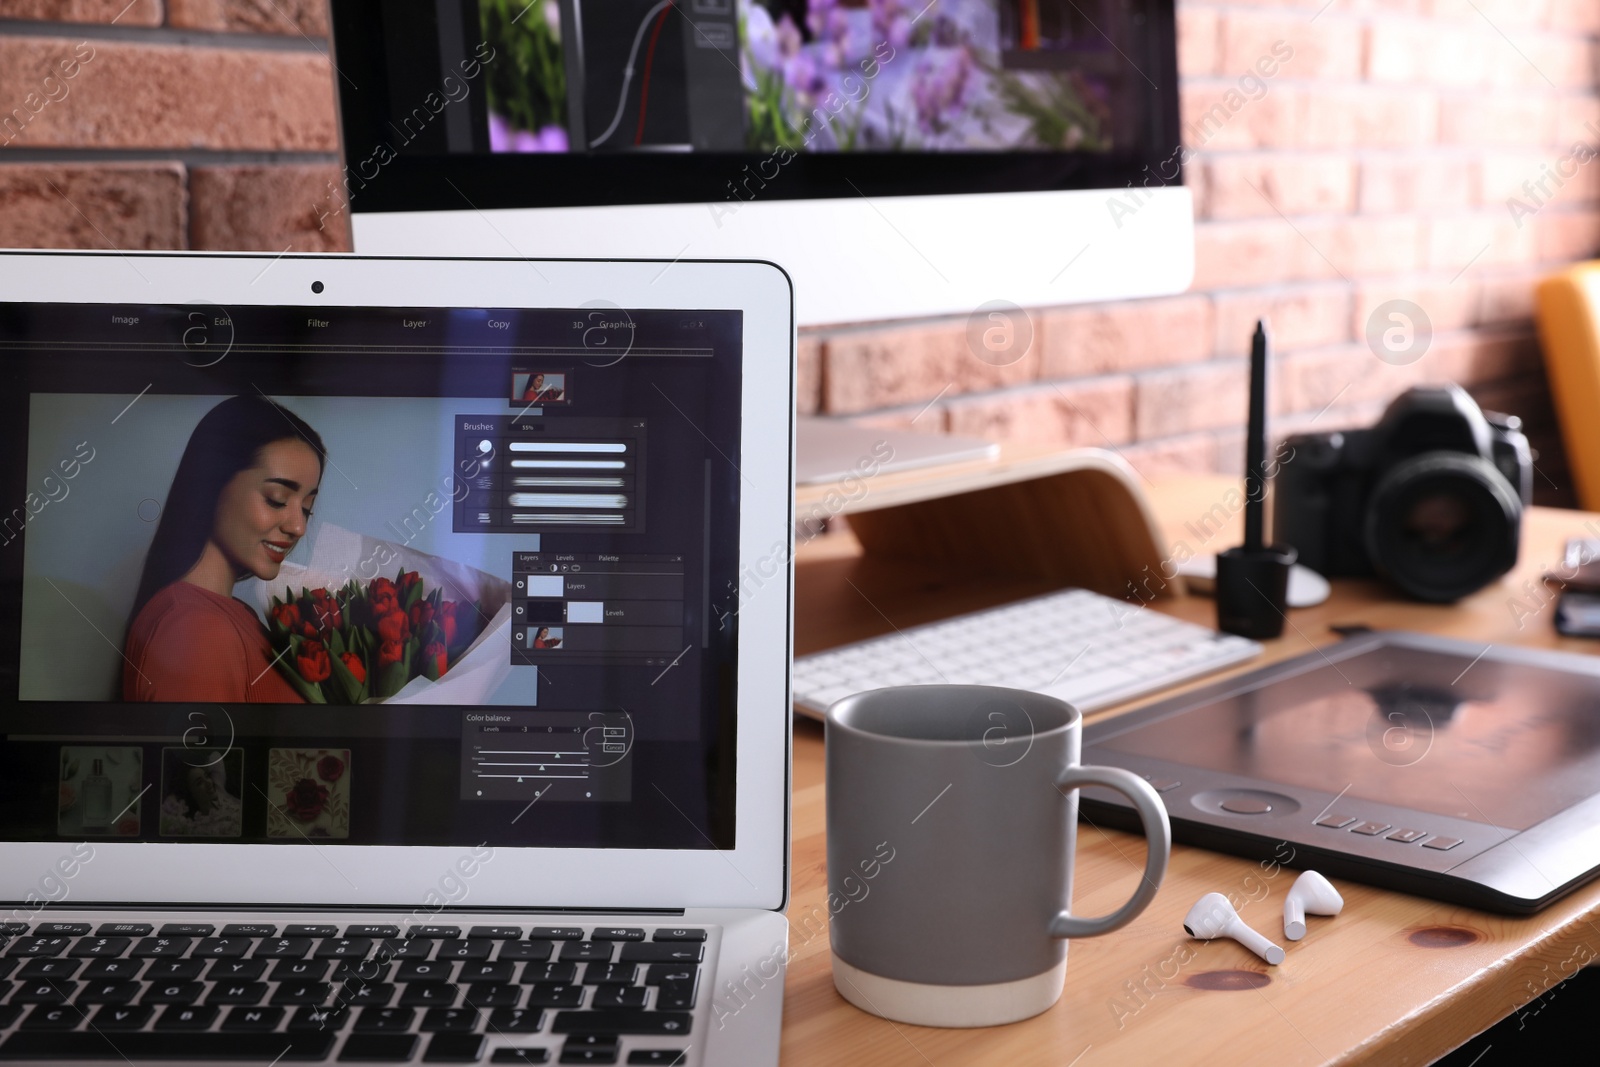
1444	768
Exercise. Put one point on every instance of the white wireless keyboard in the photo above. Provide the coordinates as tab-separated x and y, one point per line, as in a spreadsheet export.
1089	650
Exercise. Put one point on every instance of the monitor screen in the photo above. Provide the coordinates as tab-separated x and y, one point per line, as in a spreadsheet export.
568	102
1490	740
369	575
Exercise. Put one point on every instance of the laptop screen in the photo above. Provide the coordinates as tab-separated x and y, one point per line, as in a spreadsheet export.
363	576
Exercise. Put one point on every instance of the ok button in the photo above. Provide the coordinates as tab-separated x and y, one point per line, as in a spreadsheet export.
1246	806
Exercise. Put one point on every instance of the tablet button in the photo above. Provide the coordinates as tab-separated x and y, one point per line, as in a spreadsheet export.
1336	820
1405	837
1246	806
1370	829
1443	844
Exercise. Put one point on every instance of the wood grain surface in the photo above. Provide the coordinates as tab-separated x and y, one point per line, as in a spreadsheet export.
1395	979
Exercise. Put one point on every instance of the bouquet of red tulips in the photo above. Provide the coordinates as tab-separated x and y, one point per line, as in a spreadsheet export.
365	642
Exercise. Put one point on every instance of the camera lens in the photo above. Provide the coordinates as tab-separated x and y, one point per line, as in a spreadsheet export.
316	287
1442	525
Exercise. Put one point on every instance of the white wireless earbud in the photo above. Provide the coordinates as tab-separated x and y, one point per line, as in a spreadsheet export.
1310	893
1213	917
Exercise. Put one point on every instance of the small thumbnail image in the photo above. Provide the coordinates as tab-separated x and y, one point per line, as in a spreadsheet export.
545	637
100	790
308	792
539	387
201	792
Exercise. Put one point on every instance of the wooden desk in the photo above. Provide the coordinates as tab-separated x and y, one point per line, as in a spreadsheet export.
1394	980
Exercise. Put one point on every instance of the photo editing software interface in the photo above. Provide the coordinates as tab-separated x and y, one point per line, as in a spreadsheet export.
369	575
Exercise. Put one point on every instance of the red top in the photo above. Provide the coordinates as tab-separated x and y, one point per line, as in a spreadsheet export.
190	644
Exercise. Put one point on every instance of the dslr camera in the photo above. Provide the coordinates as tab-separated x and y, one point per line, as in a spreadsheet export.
1430	498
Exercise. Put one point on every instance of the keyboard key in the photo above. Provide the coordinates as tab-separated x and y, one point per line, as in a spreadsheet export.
437	933
282	948
385	1020
120	1017
186	1017
372	970
112	970
9	965
552	995
300	970
39	946
302	993
455	1020
48	991
419	948
343	948
493	995
525	950
560	973
371	930
109	947
159	947
591	1041
61	930
175	970
231	970
249	930
609	973
172	993
220	948
520	1055
312	1018
477	972
496	933
680	935
205	1048
618	996
186	930
556	933
237	993
379	1048
617	933
425	971
253	1019
113	992
430	995
590	951
454	1048
465	950
657	973
49	968
516	1020
12	928
669	1057
365	994
589	1055
675	996
294	930
53	1017
673	1023
662	952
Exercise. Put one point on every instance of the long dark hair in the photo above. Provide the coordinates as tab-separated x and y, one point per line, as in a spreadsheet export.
228	440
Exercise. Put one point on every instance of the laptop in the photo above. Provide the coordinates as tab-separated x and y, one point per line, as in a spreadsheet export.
384	674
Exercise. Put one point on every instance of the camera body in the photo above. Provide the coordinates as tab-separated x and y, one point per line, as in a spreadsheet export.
1431	497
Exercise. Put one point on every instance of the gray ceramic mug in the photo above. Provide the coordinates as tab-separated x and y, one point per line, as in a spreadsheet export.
952	828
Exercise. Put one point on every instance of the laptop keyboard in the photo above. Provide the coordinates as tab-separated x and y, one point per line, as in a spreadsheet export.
130	991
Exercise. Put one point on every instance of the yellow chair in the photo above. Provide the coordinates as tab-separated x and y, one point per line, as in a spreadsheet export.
1568	311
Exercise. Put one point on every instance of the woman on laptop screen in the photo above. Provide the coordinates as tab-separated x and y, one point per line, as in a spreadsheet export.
238	505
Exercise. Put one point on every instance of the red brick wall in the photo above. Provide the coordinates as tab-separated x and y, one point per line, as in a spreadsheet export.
1377	165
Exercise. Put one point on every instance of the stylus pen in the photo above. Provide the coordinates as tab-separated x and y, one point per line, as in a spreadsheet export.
1255	473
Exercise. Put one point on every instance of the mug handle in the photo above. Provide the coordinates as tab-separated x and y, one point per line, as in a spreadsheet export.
1157	830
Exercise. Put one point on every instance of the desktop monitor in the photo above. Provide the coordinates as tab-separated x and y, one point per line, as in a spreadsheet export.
897	157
